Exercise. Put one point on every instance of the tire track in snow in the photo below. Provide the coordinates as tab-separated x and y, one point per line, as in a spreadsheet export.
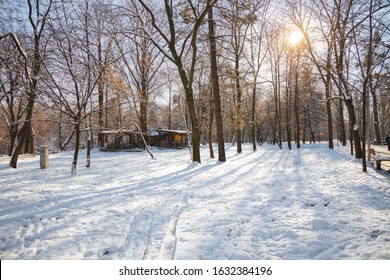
137	239
168	247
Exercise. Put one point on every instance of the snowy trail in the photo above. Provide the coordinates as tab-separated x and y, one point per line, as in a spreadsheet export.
168	248
312	203
137	238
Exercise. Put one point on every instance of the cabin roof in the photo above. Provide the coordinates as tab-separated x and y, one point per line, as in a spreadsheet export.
172	131
128	132
152	132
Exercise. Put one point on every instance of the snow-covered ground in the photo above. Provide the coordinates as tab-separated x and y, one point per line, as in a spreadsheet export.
310	203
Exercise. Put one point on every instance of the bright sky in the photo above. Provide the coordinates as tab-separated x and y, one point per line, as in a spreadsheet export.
295	37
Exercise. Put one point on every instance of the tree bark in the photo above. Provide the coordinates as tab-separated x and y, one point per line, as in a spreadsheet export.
26	126
216	91
296	104
327	83
376	115
341	127
238	105
354	128
211	121
288	105
253	118
76	148
100	87
192	112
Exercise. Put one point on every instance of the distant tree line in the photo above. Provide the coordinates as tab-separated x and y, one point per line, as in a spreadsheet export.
235	71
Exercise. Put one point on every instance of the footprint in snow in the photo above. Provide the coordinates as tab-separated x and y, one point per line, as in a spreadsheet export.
375	233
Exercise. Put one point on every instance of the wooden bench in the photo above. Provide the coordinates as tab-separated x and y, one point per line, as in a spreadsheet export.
378	158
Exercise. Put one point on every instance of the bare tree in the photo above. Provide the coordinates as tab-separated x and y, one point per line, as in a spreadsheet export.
12	102
238	16
101	28
179	46
140	65
258	52
275	42
366	40
37	18
301	13
71	93
216	89
312	104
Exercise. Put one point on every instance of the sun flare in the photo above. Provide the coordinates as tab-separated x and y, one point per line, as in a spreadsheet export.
295	37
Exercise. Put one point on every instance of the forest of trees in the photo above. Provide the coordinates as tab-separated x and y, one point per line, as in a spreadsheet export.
295	71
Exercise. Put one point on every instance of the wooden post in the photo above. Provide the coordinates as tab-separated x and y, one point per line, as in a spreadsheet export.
44	156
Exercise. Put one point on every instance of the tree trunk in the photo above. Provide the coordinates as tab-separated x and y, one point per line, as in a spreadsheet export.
23	132
376	117
100	88
368	65
76	148
24	129
216	93
238	108
354	128
211	120
210	136
170	106
277	112
101	114
279	104
288	110
328	104
29	140
364	113
88	162
253	115
341	126
143	112
89	145
351	140
296	107
192	112
312	136
13	131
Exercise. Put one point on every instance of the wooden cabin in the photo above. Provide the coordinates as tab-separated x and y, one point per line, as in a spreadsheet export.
119	140
165	138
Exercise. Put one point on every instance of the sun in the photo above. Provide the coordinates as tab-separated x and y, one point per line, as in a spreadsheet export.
295	37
